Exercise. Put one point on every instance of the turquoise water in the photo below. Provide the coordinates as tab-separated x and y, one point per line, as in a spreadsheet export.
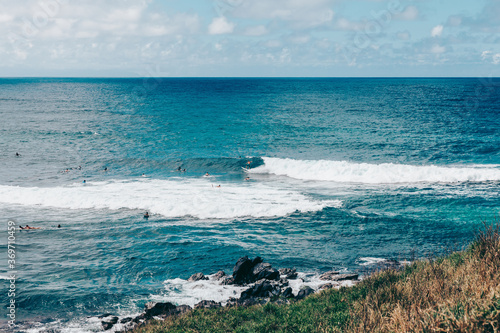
343	173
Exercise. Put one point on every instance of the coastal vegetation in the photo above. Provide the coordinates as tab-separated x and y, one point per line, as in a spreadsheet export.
459	292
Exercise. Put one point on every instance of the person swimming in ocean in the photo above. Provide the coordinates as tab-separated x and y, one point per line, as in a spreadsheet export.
248	178
84	181
106	169
207	174
17	154
179	169
146	215
27	227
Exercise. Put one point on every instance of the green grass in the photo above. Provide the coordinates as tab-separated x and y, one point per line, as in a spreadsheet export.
456	293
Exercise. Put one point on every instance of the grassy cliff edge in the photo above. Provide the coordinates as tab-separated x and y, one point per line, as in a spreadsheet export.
456	293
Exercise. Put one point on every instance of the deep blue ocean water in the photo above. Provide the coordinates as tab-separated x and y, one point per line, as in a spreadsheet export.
344	173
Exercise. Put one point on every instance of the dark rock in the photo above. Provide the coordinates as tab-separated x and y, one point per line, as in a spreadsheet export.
105	315
344	277
228	280
304	292
327	286
182	309
257	260
109	322
197	277
261	289
126	320
283	282
242	270
287	293
290	274
264	271
329	276
156	309
207	305
219	275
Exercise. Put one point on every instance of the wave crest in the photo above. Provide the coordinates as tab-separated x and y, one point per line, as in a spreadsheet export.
386	173
170	198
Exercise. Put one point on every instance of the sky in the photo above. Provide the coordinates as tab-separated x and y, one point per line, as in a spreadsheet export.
247	38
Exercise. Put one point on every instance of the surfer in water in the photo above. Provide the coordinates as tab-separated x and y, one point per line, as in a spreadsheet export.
207	174
27	227
146	215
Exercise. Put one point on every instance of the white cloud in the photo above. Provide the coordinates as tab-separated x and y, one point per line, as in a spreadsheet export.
496	59
410	13
490	57
437	31
437	49
220	25
299	13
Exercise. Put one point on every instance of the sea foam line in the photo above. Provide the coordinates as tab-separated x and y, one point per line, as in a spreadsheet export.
170	198
385	173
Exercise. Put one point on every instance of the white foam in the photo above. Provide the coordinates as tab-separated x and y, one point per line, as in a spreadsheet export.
386	173
183	292
368	261
170	198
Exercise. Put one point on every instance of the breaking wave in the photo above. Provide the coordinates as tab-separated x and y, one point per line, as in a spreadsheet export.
348	172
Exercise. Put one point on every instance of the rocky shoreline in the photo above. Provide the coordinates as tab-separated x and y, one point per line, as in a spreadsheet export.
263	284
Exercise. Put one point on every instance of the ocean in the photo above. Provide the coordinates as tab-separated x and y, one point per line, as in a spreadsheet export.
343	174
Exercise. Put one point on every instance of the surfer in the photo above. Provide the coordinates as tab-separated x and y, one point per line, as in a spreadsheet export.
146	215
17	154
248	178
105	169
207	174
179	169
28	227
58	225
84	181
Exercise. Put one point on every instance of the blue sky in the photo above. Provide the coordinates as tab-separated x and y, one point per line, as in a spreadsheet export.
166	38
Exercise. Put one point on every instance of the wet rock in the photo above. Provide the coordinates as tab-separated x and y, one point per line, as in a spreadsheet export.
228	280
261	289
109	322
182	309
329	276
304	292
197	277
327	286
207	305
283	282
105	315
287	293
159	309
290	274
264	271
242	270
344	277
126	320
219	276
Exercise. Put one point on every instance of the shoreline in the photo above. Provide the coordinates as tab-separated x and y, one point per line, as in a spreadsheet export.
253	282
